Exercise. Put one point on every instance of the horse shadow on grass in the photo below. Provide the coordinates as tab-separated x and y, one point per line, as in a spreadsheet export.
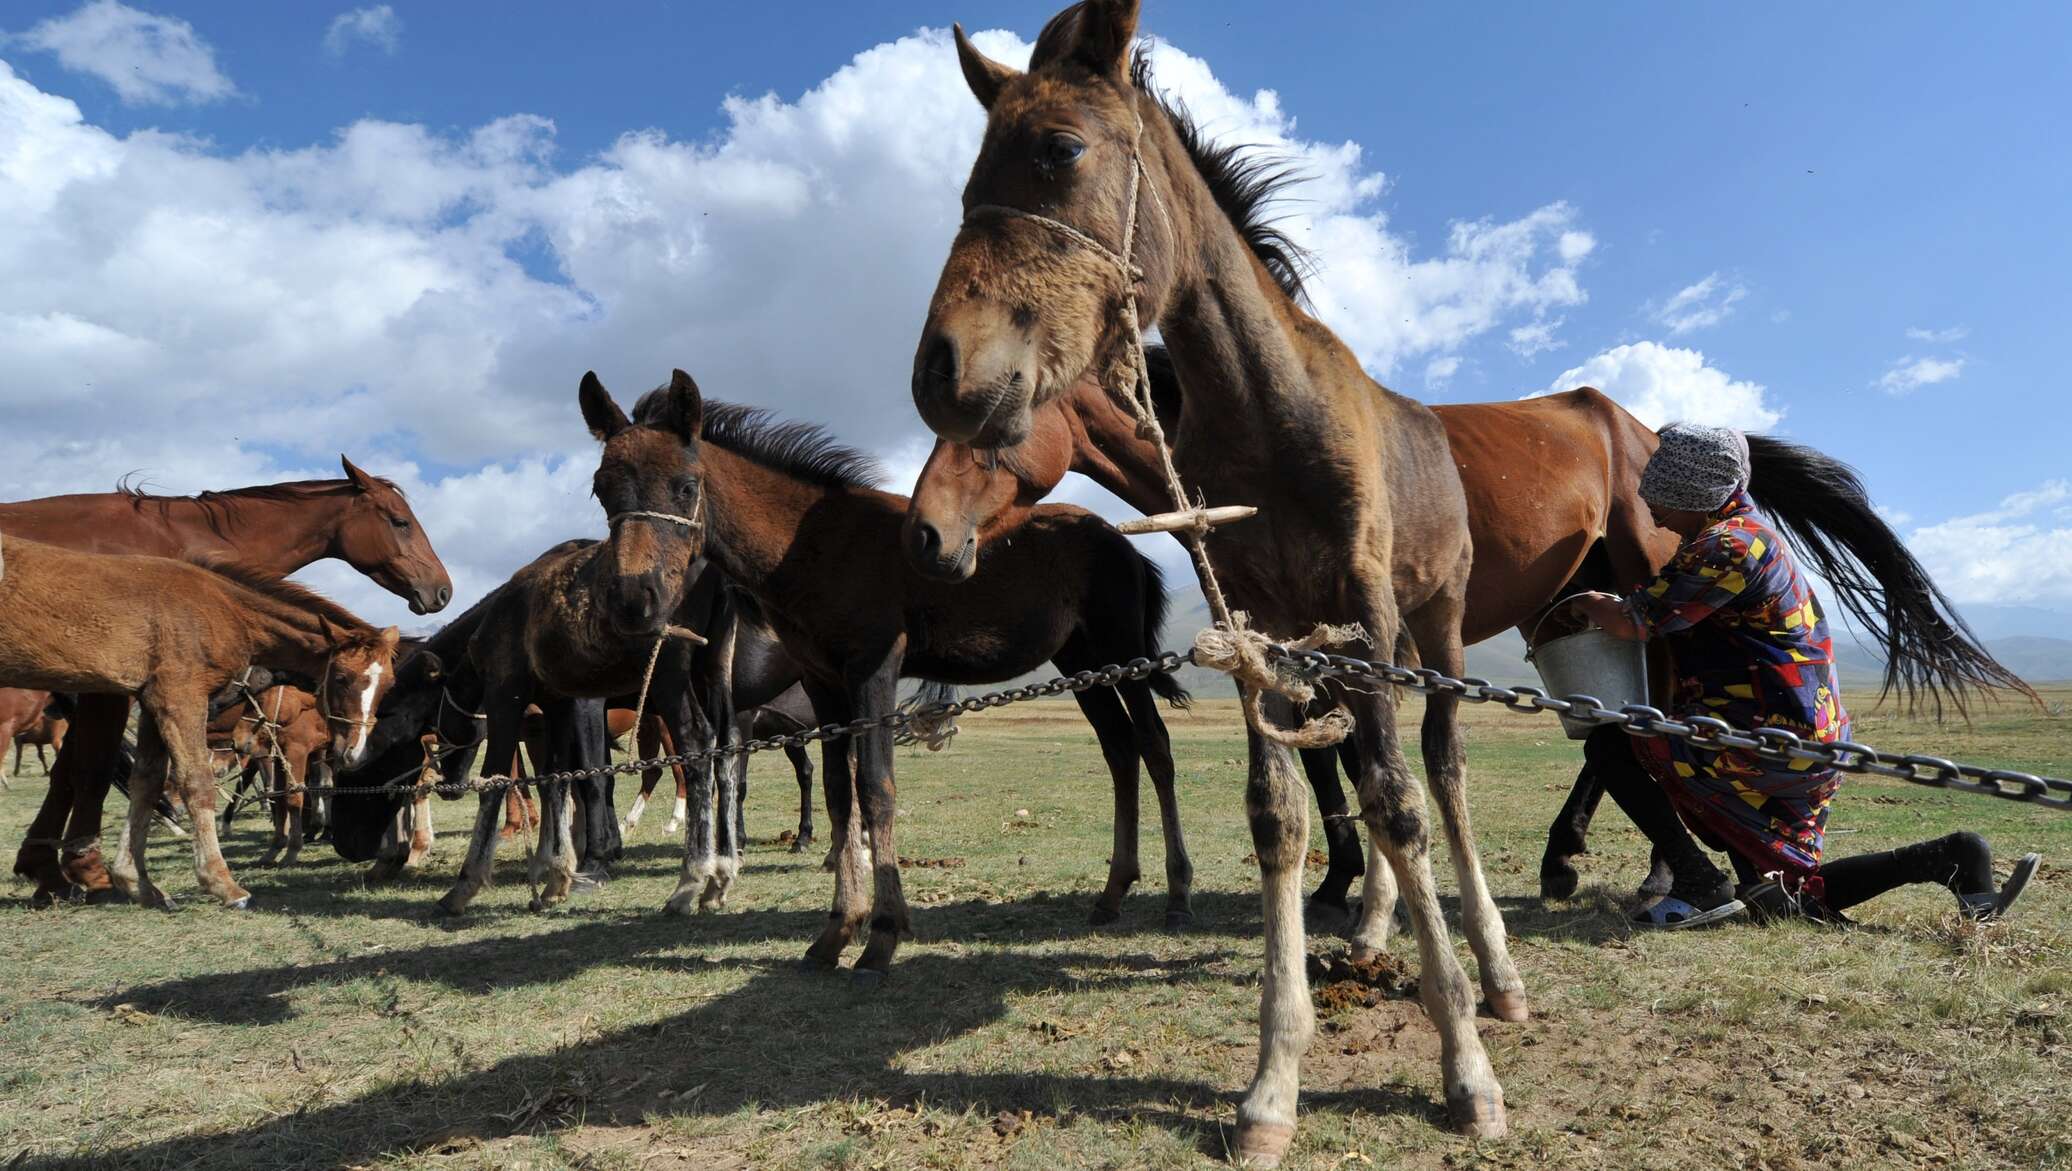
784	1039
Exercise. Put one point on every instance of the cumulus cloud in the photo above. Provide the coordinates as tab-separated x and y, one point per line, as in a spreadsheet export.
378	27
1699	306
1665	384
1536	338
1440	371
1941	337
1911	373
426	301
2018	553
148	59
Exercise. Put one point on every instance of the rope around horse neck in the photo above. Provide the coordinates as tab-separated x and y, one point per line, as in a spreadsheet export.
1230	645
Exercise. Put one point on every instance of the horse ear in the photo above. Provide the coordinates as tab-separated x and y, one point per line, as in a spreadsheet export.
686	407
1095	33
360	479
984	75
600	413
389	639
329	632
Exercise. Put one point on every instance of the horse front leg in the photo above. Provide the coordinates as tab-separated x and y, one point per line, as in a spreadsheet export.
1565	838
802	768
874	695
1155	746
691	732
500	750
1111	724
1329	911
187	756
1278	813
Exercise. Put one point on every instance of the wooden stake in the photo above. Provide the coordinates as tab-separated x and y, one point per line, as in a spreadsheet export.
1173	522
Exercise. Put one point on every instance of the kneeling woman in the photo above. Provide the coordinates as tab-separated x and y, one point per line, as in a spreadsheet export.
1751	647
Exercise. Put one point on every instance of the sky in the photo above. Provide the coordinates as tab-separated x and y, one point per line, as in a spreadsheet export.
238	240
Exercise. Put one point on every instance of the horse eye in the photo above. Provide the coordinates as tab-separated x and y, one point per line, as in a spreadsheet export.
686	488
399	524
1059	150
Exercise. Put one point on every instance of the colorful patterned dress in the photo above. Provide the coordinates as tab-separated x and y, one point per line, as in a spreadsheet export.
1750	647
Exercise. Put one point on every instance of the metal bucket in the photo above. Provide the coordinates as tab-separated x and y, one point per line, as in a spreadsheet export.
1595	663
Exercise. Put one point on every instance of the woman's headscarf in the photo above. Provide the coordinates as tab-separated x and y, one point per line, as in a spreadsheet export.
1696	468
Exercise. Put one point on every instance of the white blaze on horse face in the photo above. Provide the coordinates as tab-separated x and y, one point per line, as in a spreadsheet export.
366	716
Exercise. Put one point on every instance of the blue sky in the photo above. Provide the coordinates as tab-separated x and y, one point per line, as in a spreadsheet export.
1860	224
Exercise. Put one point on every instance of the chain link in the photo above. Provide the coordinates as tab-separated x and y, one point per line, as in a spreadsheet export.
1771	744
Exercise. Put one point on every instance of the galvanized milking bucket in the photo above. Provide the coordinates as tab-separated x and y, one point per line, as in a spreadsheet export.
1592	662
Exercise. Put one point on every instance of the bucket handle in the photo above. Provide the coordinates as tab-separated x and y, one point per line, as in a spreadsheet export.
1532	641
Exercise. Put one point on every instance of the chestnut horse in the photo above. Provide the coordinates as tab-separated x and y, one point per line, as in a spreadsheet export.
1091	197
171	633
276	529
1553	508
283	730
25	722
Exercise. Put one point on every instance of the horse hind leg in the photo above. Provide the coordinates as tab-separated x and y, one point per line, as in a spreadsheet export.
1155	748
128	871
802	768
187	754
276	786
1112	728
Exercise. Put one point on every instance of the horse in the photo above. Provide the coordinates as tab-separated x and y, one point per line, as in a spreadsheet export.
798	527
1552	486
27	722
1095	208
171	633
591	621
276	529
283	730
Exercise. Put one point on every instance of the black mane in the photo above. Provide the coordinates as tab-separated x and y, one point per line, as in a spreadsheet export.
1244	185
803	450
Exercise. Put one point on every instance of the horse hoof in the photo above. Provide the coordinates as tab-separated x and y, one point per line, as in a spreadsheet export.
1179	920
1101	916
1262	1144
587	881
452	904
1478	1115
1558	879
866	979
1321	918
1360	953
1657	886
96	896
801	845
1509	1006
813	965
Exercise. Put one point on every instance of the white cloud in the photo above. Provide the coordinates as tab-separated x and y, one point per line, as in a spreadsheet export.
1910	373
1665	384
1536	338
1699	306
427	301
148	59
1941	337
1440	371
377	26
2018	553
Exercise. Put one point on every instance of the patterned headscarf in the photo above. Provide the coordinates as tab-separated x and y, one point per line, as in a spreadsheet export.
1696	468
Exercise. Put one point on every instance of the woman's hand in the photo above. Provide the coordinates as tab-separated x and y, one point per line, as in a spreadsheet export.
1609	612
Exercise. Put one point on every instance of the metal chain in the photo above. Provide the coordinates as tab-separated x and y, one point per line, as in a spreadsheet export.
1771	744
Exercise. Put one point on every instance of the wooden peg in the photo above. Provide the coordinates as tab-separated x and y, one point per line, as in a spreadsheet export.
1173	522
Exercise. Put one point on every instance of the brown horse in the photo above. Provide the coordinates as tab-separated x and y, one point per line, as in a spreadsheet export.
1552	486
284	730
172	633
276	529
797	527
1091	196
581	624
25	723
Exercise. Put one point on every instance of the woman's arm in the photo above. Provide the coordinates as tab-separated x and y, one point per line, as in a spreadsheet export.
1611	612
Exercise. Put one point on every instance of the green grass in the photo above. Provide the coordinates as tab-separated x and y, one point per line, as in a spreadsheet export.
342	1026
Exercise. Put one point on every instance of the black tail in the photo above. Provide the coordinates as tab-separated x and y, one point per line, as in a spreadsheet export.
1820	504
1164	684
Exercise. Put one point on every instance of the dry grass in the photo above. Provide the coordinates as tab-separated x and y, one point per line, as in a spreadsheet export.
338	1026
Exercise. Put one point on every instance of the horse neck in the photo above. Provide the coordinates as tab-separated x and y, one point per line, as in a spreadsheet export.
284	635
754	513
277	535
1246	353
1107	450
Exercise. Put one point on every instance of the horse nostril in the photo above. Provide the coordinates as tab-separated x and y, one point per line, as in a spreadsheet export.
444	596
926	541
935	368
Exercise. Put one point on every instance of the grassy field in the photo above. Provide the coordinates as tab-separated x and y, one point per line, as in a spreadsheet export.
342	1026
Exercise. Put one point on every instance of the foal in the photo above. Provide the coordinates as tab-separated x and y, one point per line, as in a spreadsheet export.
285	732
171	633
797	527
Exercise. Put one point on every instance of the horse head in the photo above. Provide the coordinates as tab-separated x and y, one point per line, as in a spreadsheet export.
652	487
380	537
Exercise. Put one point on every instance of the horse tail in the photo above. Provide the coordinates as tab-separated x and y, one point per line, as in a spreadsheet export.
1164	684
927	693
1820	504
